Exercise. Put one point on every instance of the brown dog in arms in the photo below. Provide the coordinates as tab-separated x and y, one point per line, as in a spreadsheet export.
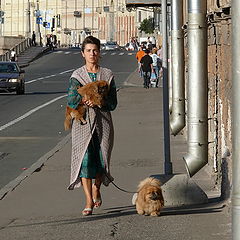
96	92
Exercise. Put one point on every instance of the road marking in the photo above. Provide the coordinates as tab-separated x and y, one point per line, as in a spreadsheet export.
66	53
34	80
113	53
67	71
53	75
121	53
30	113
104	53
58	52
24	138
130	54
76	53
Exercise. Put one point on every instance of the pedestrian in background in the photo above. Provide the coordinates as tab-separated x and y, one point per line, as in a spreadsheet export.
147	68
13	55
160	54
50	42
156	64
139	56
91	143
34	39
149	44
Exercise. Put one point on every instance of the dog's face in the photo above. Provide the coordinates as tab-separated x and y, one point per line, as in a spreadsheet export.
152	193
103	88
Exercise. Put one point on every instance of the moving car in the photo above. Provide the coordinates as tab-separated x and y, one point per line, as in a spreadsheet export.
111	46
11	78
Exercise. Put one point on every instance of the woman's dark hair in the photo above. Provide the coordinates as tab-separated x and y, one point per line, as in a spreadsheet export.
91	40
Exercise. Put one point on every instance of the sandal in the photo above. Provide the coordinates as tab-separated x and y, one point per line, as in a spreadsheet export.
97	203
87	211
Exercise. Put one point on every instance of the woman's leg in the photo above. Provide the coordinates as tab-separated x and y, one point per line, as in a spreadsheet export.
96	191
87	188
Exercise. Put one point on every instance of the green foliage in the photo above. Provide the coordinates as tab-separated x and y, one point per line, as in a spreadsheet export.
147	26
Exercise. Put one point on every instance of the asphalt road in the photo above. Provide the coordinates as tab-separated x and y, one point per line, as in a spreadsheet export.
32	124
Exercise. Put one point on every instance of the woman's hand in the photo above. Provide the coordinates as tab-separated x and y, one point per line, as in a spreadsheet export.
88	103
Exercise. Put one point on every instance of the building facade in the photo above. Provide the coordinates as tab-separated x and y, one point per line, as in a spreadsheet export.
70	20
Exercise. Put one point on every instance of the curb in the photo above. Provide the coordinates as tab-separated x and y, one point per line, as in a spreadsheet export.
128	82
36	167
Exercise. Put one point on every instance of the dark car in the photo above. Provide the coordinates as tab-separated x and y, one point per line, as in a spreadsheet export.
11	78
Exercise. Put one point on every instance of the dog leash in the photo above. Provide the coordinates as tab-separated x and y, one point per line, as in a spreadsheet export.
105	173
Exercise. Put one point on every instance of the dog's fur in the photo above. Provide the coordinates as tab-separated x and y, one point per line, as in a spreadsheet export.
95	92
149	198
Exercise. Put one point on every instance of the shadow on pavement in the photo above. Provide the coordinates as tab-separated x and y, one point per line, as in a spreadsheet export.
45	93
124	211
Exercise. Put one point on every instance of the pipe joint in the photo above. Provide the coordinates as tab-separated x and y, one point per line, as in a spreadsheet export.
177	124
194	162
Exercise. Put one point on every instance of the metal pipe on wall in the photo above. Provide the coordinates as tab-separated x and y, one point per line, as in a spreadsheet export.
170	74
177	122
236	118
169	16
197	155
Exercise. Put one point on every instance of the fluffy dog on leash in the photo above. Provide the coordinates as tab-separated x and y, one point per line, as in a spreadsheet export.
95	92
149	199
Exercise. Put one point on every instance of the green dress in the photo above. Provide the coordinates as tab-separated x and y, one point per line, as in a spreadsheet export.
92	163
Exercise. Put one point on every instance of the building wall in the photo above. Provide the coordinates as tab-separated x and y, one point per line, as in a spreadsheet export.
105	19
220	85
219	92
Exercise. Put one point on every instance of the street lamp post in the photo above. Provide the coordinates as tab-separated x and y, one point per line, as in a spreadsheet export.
28	21
111	19
38	32
167	155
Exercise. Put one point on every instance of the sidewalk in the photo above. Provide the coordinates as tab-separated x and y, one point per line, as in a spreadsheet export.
41	207
30	55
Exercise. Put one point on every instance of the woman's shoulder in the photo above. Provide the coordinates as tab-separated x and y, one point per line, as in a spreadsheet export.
80	69
106	70
106	74
78	73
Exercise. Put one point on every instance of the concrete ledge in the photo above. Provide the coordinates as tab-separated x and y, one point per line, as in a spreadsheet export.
179	190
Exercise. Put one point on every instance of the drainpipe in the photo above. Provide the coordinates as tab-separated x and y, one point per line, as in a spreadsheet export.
236	118
178	84
169	24
170	75
197	155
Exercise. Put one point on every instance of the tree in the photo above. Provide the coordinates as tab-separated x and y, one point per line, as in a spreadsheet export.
147	26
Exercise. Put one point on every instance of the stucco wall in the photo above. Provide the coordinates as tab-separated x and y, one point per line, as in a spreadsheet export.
7	43
220	92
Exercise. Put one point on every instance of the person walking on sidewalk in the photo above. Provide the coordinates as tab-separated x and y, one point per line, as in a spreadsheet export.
147	68
139	56
156	64
13	55
91	143
34	39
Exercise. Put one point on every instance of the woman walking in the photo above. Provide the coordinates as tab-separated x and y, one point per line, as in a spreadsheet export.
91	143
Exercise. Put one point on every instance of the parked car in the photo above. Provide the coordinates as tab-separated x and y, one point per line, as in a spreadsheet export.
11	78
111	46
102	46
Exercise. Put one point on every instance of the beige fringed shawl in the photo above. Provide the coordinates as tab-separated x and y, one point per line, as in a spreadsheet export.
82	134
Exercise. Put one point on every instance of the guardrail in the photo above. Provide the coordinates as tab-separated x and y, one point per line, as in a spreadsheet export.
19	48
